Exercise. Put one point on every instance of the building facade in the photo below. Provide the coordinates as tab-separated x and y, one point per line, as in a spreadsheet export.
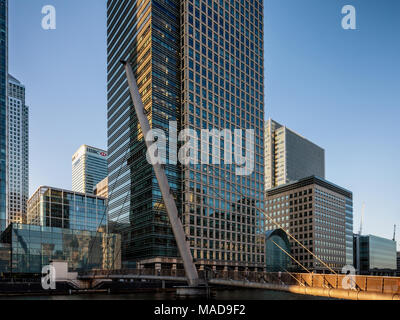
290	157
101	188
375	255
3	111
89	167
317	213
277	248
398	264
18	152
199	64
32	247
58	208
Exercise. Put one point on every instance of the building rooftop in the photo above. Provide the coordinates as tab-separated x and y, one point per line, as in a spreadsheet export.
90	195
309	181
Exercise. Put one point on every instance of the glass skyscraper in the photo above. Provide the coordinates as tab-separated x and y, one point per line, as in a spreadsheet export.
289	156
199	63
3	109
18	152
89	167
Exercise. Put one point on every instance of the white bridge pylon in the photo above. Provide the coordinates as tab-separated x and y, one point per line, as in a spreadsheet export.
169	201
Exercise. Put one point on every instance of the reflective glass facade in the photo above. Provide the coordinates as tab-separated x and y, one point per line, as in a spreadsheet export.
33	247
3	109
374	255
52	207
18	152
199	63
276	259
5	257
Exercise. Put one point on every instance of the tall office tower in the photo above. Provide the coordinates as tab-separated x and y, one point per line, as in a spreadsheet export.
18	152
199	63
319	214
289	156
89	167
3	110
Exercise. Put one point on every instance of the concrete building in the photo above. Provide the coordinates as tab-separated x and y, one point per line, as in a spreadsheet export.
89	167
3	111
200	64
58	208
375	255
289	156
398	263
319	214
18	152
101	188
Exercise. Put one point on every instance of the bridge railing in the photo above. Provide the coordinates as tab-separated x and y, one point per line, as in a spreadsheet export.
390	285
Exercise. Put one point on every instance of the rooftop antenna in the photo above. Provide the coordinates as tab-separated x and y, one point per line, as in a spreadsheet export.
362	218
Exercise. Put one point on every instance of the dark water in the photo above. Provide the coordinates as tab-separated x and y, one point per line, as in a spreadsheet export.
236	294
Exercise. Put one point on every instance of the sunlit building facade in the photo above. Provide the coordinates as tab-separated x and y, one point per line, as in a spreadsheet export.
319	214
289	156
18	152
89	167
101	188
199	63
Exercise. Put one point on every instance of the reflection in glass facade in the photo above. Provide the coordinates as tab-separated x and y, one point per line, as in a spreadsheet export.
276	259
33	247
200	63
5	257
52	207
3	108
374	255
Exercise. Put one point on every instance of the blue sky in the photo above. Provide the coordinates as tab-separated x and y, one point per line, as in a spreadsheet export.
339	88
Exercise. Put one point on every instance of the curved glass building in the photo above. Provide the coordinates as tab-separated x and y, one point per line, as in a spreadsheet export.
276	243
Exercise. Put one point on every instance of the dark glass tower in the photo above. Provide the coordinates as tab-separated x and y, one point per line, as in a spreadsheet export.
200	63
3	108
145	33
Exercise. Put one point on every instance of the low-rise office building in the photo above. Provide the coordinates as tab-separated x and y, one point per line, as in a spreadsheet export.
54	207
374	255
319	214
32	247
